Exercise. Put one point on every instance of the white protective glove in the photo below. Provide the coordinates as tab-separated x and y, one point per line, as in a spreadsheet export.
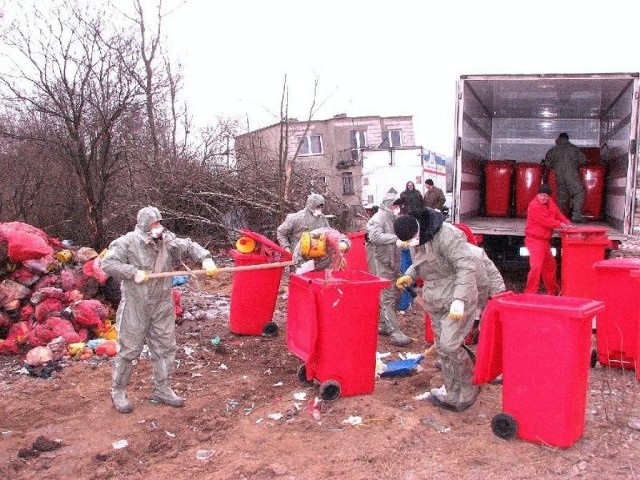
456	312
209	266
402	244
344	246
141	276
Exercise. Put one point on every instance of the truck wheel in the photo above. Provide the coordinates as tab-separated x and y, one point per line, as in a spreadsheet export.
504	426
270	329
329	390
594	358
302	375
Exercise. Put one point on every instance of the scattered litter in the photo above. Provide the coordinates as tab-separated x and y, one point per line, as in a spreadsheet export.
118	444
259	420
278	384
215	341
300	395
179	280
432	423
195	374
275	416
223	367
204	454
401	367
188	351
422	396
353	420
170	434
267	371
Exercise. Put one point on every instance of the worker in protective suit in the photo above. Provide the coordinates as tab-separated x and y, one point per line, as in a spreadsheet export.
325	246
146	311
448	268
383	258
566	159
488	278
309	218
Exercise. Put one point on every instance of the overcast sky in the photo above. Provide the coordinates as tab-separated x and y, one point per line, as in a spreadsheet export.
386	58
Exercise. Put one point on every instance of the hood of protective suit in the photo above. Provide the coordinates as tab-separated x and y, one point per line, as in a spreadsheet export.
388	200
147	216
314	200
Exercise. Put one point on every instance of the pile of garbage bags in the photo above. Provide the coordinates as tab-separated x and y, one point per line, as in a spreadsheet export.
55	300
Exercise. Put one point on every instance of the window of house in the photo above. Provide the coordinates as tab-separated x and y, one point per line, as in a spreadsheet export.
392	138
358	139
347	183
311	145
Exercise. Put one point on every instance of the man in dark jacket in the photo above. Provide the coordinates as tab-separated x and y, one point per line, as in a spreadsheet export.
566	159
411	199
543	216
434	196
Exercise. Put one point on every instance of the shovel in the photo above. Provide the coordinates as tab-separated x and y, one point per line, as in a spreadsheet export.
244	268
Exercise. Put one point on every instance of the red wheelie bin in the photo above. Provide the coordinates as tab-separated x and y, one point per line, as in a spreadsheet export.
356	256
541	345
617	327
593	178
498	180
254	293
582	247
528	179
332	326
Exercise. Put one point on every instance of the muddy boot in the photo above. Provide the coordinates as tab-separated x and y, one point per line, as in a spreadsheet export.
384	329
162	378
399	338
120	378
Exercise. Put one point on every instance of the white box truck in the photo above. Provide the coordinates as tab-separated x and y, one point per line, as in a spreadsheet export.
517	118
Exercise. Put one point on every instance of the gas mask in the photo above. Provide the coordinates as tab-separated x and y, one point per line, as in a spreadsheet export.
156	232
396	211
317	212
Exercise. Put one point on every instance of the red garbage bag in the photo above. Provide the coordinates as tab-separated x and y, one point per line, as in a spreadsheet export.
92	269
48	292
89	313
50	280
175	293
26	313
40	265
11	291
5	321
47	308
24	276
8	347
19	332
53	327
25	241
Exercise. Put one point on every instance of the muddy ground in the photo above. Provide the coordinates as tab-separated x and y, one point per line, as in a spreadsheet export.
242	419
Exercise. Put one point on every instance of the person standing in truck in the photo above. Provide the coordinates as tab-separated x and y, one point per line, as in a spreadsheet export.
434	196
566	159
543	216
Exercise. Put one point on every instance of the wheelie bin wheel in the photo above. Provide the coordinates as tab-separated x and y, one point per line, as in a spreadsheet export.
329	390
302	375
270	329
594	358
504	426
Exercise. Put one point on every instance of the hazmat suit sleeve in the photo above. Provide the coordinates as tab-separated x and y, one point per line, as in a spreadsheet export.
376	233
464	266
116	261
285	230
191	249
496	282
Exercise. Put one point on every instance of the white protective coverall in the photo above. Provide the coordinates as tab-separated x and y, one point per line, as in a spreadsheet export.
290	231
146	311
383	258
448	268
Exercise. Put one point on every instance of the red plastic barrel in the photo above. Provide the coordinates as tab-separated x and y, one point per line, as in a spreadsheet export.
546	347
593	178
332	325
528	179
553	183
356	256
617	327
582	247
254	293
498	179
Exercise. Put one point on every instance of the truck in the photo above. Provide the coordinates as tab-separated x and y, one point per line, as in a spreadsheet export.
516	118
386	169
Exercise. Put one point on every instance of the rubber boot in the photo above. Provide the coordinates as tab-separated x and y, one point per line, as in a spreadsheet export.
120	377
162	378
396	337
